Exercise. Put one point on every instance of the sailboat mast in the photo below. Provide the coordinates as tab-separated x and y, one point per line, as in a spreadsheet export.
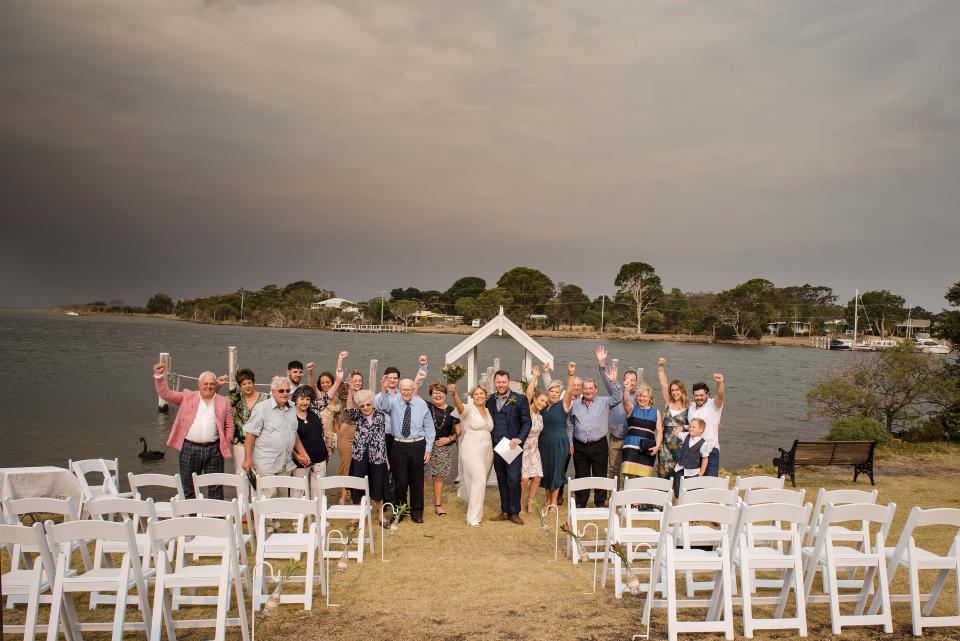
856	312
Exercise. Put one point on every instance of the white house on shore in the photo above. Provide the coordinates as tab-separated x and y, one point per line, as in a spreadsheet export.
342	304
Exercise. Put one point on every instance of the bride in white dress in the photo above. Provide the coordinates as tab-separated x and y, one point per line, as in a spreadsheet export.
476	452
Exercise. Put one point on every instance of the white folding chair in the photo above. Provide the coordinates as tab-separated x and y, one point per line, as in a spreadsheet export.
63	538
744	483
577	515
362	513
648	483
692	535
772	534
273	486
671	559
305	539
829	557
139	512
107	469
915	558
752	554
219	575
200	546
241	488
837	497
16	509
692	483
167	481
840	533
28	583
638	539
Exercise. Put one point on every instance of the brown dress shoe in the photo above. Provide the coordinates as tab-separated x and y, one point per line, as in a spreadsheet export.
515	518
503	516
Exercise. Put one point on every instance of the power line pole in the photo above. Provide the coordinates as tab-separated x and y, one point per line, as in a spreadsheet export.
603	300
383	293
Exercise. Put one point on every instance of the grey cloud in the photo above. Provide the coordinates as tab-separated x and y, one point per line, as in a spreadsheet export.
371	145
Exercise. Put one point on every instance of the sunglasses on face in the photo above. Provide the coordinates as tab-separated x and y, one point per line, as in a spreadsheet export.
283	391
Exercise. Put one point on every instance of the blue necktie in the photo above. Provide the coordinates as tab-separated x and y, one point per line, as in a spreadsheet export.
405	432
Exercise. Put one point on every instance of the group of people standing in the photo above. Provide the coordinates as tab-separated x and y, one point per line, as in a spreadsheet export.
395	438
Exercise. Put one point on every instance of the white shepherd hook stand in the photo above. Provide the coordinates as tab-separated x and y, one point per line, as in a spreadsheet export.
326	561
393	512
253	611
556	528
596	556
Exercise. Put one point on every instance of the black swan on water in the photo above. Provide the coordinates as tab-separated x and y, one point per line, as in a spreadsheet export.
149	455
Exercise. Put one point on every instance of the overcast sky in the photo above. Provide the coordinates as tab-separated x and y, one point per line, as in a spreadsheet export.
198	147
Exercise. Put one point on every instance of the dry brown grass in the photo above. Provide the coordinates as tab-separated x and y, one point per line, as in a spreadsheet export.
449	582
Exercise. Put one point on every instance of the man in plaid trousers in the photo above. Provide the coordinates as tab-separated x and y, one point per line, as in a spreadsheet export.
202	430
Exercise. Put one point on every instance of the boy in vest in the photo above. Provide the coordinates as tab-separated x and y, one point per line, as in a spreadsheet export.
693	454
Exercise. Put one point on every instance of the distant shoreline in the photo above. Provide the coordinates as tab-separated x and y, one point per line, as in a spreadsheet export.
619	334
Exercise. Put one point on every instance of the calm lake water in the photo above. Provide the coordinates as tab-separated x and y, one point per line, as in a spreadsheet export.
81	387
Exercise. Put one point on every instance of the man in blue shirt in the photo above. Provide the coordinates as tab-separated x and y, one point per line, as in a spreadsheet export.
411	426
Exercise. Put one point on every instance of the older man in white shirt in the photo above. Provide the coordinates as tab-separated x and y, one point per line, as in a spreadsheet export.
271	435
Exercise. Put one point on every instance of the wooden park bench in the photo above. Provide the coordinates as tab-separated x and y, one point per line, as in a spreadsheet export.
859	454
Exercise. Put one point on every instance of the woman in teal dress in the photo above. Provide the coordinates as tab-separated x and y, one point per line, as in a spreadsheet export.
554	443
674	421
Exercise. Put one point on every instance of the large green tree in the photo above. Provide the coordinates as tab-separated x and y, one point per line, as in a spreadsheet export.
160	303
530	289
746	307
468	286
488	303
640	283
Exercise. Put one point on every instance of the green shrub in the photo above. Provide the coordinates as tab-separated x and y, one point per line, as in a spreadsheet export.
925	432
859	428
726	333
755	334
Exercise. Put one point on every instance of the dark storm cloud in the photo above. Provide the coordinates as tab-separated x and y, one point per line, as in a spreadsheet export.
199	147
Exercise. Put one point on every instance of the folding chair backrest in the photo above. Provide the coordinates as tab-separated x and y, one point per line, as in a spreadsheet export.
772	495
214	508
710	512
591	483
140	511
864	513
743	483
170	481
238	482
299	483
621	510
301	511
938	516
64	537
345	482
16	508
709	495
104	467
161	532
836	497
648	483
702	482
795	516
33	538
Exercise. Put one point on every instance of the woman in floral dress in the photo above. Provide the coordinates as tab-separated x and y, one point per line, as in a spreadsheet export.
674	421
531	466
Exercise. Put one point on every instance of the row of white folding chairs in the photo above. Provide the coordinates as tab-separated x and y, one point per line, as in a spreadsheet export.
52	569
757	521
577	515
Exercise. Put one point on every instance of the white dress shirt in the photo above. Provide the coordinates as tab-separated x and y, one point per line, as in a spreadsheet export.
204	428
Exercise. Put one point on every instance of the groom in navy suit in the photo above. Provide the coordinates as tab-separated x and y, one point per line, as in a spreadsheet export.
511	420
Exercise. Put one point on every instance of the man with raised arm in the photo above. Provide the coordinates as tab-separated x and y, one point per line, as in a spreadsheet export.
511	420
202	430
617	425
413	431
588	426
709	410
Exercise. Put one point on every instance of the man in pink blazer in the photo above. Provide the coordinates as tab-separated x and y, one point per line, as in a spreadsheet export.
202	430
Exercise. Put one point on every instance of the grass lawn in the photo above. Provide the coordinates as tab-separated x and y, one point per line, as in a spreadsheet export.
448	582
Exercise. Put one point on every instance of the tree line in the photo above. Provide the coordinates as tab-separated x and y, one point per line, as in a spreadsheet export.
639	303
